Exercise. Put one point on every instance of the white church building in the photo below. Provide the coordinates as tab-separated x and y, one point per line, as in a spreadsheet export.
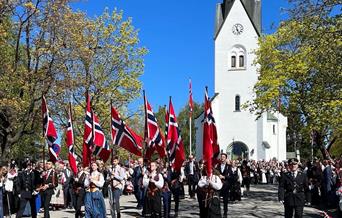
240	133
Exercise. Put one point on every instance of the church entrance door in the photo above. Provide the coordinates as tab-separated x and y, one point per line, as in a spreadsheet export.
238	150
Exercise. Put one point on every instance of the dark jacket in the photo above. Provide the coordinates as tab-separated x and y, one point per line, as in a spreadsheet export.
26	183
292	190
137	176
52	181
227	173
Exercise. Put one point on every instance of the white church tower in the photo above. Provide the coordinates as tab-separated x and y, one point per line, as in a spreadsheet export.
240	133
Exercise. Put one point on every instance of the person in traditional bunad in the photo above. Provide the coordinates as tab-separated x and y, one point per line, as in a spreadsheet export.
236	179
94	201
209	199
57	199
153	181
117	178
50	182
10	181
79	191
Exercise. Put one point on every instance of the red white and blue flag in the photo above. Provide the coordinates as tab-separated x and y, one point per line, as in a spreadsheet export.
101	147
70	141
153	136
175	147
211	149
123	136
94	140
50	132
191	103
88	135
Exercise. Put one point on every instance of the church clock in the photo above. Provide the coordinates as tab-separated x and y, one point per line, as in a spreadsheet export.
237	29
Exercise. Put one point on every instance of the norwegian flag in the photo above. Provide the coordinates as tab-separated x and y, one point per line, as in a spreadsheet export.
50	132
166	121
123	136
70	144
191	103
210	147
88	135
153	136
174	140
101	147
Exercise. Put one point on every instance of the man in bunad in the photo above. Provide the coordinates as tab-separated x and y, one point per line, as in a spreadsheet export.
117	178
225	172
138	175
94	202
79	191
153	181
210	186
191	168
50	182
292	188
26	184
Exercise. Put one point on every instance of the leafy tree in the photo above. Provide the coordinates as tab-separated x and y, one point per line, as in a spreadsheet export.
300	68
47	49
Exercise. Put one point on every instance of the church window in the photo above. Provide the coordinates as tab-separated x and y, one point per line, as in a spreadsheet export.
233	60
274	131
241	61
237	103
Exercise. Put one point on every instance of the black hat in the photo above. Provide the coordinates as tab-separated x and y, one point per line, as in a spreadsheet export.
292	161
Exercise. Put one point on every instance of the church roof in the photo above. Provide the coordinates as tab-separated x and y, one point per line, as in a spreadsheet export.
270	116
252	7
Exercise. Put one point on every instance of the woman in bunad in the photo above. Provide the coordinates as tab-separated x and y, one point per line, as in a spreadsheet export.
153	181
10	190
57	199
263	175
209	195
94	202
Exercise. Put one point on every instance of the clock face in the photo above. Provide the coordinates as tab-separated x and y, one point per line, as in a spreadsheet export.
237	29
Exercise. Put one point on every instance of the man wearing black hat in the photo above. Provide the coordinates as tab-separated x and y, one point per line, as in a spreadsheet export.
292	188
26	184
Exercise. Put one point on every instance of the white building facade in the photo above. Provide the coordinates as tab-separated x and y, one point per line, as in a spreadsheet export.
240	133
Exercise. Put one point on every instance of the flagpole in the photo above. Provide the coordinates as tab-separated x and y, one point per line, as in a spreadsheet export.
145	128
110	125
190	132
44	141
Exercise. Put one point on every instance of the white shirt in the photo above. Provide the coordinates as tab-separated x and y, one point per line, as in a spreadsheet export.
214	182
95	177
191	165
159	183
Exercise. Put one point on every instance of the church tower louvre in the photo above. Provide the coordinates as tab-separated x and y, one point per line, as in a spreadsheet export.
240	133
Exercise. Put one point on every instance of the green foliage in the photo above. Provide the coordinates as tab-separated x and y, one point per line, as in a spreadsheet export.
300	66
46	48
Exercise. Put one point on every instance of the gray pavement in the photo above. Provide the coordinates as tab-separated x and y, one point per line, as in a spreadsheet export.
262	202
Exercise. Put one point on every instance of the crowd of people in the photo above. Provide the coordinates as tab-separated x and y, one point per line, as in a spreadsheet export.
37	187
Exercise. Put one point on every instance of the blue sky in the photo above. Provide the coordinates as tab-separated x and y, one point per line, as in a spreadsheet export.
179	37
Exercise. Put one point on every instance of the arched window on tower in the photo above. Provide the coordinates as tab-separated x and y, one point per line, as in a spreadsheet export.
241	61
233	61
238	58
237	103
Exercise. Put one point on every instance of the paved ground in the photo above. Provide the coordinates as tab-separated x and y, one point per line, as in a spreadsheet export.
262	202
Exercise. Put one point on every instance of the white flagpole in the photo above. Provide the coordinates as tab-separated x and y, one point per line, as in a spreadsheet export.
190	133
